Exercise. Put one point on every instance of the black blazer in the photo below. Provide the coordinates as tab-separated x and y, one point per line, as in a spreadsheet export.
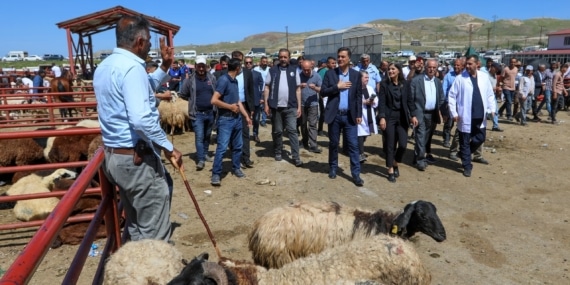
385	99
418	92
537	82
258	84
330	90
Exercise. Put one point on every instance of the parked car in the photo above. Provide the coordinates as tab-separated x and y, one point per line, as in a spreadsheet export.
405	53
447	55
424	54
104	56
12	57
296	53
33	58
387	54
53	57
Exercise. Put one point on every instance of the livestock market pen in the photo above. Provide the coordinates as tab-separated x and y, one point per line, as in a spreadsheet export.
26	126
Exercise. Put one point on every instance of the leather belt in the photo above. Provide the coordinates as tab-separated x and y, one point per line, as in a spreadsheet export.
229	114
124	151
342	112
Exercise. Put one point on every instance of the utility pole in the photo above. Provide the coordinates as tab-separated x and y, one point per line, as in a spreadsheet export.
495	30
488	36
287	35
400	41
470	34
540	37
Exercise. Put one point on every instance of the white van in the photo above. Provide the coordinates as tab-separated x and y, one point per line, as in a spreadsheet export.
153	54
188	53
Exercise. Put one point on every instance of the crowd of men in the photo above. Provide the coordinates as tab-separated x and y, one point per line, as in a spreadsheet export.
295	95
233	97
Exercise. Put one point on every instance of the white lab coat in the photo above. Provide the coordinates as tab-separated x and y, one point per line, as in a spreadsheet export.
363	129
461	95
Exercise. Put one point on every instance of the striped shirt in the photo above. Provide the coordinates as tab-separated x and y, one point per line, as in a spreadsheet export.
547	78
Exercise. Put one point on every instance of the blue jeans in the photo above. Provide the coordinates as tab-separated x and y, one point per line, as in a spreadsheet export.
470	142
229	131
509	95
203	130
350	134
546	100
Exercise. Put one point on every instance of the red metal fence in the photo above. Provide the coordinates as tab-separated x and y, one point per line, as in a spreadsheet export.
23	268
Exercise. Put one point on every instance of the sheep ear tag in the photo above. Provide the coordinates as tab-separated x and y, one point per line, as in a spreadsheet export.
395	229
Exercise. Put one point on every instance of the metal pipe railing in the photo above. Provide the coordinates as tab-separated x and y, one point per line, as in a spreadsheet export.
23	268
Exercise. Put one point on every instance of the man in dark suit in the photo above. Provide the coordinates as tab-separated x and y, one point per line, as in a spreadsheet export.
538	84
246	94
258	84
343	88
429	99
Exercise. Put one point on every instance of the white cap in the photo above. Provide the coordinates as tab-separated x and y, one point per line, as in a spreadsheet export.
412	58
200	59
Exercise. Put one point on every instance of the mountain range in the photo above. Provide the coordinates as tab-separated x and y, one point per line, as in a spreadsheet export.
434	34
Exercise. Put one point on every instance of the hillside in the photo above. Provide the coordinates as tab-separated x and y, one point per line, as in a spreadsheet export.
434	33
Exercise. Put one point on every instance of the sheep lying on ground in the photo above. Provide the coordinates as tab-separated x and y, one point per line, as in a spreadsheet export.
379	259
73	233
20	152
68	148
143	262
93	146
300	229
36	209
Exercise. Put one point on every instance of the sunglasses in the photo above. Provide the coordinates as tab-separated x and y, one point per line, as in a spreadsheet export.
249	62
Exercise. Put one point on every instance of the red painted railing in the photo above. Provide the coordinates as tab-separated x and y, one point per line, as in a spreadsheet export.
23	268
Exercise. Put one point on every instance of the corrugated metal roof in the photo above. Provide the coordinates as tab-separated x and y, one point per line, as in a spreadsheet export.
544	52
353	32
560	32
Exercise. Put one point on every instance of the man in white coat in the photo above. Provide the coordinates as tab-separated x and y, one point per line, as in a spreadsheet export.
471	97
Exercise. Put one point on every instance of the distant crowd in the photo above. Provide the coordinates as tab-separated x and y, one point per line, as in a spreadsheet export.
293	94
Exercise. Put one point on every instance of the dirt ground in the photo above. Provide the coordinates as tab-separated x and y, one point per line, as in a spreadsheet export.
507	224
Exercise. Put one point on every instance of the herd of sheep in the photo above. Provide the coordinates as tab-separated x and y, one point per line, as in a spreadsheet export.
338	245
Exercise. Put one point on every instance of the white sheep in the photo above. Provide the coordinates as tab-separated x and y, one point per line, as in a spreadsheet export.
88	123
173	114
300	229
37	209
379	259
143	262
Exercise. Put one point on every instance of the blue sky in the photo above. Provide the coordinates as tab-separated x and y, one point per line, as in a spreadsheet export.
33	27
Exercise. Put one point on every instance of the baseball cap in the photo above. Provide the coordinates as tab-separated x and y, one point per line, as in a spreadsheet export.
412	58
529	67
200	59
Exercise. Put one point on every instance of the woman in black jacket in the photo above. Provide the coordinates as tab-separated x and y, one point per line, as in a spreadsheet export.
395	106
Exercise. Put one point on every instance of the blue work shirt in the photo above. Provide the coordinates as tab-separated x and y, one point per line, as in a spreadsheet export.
38	82
373	75
126	103
343	104
448	81
228	89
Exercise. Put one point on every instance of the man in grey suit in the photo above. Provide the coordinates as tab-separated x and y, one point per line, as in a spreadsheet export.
429	98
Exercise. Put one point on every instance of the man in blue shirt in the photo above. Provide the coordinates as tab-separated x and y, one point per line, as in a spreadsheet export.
373	73
343	112
458	66
131	133
39	80
175	77
230	110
